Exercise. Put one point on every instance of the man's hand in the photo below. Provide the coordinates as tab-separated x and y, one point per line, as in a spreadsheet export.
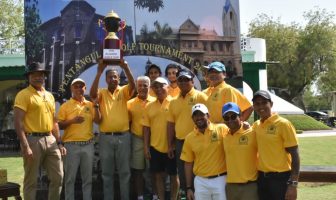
77	120
147	153
62	149
123	64
28	153
101	66
171	153
190	194
291	193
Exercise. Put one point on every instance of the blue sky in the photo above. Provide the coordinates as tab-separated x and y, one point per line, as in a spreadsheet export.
202	11
287	10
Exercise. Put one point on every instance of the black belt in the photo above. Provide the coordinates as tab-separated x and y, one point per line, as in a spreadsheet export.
273	174
80	142
39	134
215	176
248	182
112	133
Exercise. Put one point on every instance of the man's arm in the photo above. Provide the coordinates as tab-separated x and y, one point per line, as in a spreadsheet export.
171	138
94	87
19	115
188	166
246	113
56	134
147	133
130	78
291	193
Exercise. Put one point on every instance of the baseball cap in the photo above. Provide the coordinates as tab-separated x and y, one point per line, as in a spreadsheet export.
262	93
230	107
199	107
185	73
160	80
218	66
77	80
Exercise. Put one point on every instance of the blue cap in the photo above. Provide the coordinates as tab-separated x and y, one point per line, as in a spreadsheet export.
230	107
218	66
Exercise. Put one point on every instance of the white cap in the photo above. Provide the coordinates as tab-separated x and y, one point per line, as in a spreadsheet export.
77	80
200	107
160	80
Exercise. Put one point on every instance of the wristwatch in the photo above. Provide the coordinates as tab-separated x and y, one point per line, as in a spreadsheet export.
292	183
96	105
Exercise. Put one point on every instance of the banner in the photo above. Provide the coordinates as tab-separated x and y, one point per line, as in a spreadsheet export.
67	38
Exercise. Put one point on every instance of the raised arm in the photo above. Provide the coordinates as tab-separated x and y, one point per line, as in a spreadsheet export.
94	87
130	78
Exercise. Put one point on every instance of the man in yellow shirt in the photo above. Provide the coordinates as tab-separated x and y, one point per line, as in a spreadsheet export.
136	107
278	161
37	129
76	117
179	120
153	72
240	149
220	93
155	139
203	154
170	73
114	138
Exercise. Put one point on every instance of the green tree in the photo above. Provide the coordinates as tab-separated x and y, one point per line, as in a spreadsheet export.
11	26
152	5
34	37
304	53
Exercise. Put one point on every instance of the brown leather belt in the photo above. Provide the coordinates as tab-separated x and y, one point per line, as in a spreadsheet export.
39	134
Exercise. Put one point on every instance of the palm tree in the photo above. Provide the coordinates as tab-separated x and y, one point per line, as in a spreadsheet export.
152	5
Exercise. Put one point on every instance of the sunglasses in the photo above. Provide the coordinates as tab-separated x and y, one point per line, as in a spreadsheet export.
232	117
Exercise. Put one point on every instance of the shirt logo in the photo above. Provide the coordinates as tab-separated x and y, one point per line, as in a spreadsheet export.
243	140
86	109
271	129
191	101
214	136
215	97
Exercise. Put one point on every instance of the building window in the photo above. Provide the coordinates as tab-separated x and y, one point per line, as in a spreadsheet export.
205	46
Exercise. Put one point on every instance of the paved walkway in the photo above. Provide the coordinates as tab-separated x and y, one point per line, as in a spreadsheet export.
318	133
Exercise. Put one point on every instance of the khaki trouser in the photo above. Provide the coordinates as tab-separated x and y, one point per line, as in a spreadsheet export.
45	153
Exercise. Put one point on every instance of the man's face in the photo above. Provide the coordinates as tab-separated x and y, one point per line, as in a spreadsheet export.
200	119
185	84
215	77
78	89
112	79
36	79
262	107
153	73
160	90
232	120
171	75
142	88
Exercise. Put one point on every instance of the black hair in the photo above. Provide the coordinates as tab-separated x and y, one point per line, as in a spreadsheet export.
171	66
153	66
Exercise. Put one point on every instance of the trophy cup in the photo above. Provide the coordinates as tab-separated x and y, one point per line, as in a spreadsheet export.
112	53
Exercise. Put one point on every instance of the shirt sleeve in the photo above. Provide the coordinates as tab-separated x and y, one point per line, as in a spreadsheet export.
145	118
289	135
21	102
61	115
170	115
187	153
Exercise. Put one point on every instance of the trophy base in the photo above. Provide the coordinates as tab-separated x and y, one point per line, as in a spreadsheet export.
112	62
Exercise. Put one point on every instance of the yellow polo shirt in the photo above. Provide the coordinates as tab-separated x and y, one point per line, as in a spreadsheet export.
221	94
77	132
136	109
273	136
113	108
39	109
180	112
241	156
206	150
173	92
155	117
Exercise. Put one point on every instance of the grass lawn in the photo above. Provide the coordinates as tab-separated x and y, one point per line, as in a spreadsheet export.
313	151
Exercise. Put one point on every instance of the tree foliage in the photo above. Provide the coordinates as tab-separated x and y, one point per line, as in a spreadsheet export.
11	19
152	5
306	54
34	37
